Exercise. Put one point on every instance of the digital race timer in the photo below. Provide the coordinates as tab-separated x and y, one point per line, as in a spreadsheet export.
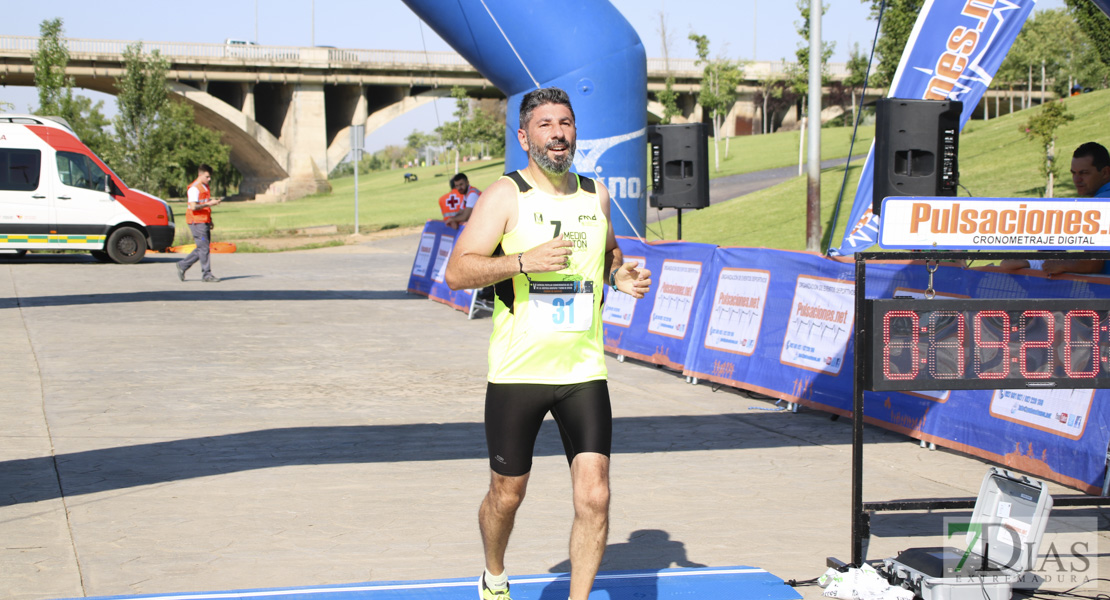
954	344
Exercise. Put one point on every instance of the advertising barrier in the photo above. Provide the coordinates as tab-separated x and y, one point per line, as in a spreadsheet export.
781	323
748	335
436	243
656	328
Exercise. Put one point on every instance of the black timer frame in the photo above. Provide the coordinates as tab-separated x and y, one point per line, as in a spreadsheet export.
861	525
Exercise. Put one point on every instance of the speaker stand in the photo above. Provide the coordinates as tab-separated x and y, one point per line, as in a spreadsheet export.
679	224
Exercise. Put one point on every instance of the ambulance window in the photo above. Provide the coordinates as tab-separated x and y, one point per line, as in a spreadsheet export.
78	170
19	169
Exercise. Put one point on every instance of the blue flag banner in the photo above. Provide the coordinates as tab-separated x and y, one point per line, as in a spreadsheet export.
953	53
426	278
656	328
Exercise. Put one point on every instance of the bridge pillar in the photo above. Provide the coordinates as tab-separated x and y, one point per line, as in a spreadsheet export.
303	131
248	100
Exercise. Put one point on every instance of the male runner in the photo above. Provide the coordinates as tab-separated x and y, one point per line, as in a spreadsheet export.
555	249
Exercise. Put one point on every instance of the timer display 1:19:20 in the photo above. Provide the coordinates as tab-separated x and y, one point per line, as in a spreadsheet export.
988	344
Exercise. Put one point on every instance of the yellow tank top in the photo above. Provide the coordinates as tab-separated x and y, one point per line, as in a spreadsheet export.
547	326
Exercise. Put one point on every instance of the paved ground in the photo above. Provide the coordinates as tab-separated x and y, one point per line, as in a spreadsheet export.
308	422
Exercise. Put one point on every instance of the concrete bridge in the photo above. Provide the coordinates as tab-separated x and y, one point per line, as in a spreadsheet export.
286	111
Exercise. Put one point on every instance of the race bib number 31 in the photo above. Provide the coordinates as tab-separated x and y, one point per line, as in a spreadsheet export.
562	305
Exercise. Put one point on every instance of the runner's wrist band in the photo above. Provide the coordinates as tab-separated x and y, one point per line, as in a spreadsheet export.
520	259
613	279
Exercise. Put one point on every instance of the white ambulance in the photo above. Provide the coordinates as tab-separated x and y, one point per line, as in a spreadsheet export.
55	194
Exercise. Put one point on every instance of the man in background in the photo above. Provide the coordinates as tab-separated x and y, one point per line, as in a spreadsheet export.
198	216
470	194
451	205
1090	172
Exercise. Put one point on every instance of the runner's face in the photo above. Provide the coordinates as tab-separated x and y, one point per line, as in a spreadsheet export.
550	137
1086	177
205	177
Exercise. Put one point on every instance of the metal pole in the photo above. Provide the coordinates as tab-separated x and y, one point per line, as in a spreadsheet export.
256	21
313	24
755	28
858	524
356	189
813	183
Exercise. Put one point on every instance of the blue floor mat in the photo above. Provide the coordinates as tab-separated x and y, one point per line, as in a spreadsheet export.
747	583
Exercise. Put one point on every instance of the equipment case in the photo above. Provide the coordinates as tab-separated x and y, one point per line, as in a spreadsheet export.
1001	543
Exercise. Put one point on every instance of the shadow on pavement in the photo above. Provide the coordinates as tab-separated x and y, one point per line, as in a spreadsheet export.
92	471
207	295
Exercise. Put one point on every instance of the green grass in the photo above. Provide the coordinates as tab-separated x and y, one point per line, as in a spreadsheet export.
385	202
761	152
996	160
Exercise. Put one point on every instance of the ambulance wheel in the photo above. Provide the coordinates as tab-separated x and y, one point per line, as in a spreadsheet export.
126	246
101	256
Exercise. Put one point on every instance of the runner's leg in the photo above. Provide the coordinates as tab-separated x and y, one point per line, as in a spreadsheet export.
585	420
588	535
514	414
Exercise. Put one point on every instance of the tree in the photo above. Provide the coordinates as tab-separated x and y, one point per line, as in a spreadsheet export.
718	90
418	140
1094	24
483	125
55	91
54	88
800	72
1051	49
1042	127
142	96
454	131
899	17
857	75
668	97
159	145
774	97
182	146
487	126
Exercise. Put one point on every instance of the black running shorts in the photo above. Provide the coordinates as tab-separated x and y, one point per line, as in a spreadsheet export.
515	411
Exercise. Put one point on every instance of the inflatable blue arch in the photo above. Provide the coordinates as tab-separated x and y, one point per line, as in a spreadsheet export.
585	47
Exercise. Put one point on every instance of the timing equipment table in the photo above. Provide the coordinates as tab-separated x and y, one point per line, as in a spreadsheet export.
915	344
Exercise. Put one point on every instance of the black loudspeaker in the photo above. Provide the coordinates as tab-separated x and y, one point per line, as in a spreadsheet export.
916	143
679	166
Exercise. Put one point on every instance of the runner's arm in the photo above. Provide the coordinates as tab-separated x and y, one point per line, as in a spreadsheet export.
472	263
629	278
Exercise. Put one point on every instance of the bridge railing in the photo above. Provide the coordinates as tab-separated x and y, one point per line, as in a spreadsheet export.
83	48
80	48
755	69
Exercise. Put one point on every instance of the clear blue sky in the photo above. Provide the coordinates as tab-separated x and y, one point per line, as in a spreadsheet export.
735	28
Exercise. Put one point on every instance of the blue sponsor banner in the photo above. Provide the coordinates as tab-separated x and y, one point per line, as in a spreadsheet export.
426	278
772	322
782	324
952	54
778	323
656	327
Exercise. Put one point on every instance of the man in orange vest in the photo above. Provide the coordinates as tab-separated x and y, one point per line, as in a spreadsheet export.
198	216
460	184
451	204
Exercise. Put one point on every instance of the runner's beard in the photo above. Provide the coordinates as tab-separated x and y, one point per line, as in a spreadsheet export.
556	166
